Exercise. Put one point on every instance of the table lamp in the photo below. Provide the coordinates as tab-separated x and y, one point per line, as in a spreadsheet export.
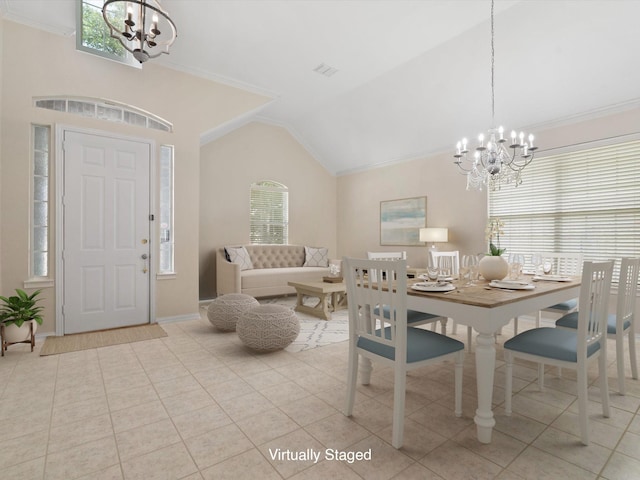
434	235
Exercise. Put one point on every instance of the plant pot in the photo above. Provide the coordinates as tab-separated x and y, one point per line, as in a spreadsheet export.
493	268
14	334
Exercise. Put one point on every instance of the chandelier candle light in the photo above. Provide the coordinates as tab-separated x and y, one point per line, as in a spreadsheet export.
492	164
141	26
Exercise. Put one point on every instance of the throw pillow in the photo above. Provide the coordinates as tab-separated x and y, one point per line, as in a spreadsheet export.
240	256
316	257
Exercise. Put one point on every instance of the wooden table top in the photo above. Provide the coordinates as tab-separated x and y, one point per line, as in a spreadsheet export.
482	295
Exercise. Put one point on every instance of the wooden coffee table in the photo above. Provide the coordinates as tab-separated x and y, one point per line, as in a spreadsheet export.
331	297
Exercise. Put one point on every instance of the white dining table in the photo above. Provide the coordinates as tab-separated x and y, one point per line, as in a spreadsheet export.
487	311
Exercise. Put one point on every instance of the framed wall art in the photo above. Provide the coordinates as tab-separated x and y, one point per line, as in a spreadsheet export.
401	221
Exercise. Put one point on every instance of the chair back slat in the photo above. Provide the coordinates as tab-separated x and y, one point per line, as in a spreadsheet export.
564	263
368	299
454	254
627	291
384	256
593	304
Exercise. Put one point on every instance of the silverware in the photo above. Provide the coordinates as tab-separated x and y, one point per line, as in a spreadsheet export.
498	288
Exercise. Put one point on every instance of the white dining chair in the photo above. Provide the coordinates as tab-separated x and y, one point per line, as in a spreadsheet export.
414	317
571	348
569	264
386	338
622	322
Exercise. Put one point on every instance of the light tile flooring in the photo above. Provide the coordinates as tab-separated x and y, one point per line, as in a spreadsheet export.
198	405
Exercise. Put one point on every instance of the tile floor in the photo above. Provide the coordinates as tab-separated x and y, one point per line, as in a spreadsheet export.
198	405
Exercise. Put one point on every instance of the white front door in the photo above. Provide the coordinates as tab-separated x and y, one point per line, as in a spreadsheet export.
106	232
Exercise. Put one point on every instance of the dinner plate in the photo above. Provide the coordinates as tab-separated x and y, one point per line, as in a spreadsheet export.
551	278
512	285
433	287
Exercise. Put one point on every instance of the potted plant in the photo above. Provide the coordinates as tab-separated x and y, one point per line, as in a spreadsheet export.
19	318
492	266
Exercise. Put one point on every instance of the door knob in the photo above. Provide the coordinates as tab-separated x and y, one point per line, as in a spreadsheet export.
144	256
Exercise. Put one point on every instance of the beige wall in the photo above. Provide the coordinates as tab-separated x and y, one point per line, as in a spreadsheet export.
448	203
37	63
252	153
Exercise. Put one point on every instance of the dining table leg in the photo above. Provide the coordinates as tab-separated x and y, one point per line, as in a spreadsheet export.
485	368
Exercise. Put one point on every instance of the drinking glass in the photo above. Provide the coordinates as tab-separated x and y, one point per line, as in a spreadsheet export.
547	266
516	262
469	269
432	272
536	261
445	267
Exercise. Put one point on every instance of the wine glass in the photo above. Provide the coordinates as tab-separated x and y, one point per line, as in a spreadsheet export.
536	260
445	267
547	266
516	261
469	269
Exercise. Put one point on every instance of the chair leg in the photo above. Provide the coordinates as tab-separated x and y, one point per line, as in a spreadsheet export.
508	384
582	404
443	325
458	383
539	319
352	378
632	352
399	391
604	384
620	362
515	326
469	338
365	370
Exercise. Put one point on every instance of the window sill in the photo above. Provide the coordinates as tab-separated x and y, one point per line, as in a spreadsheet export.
166	276
38	283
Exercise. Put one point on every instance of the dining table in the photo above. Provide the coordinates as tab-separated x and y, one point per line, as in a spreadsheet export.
487	309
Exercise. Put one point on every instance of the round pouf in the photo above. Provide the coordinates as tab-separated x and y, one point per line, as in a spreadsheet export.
224	311
268	327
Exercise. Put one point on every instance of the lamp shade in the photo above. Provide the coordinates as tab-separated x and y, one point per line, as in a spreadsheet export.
434	234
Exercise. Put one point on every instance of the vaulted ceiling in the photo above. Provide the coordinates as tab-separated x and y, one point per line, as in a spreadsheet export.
413	76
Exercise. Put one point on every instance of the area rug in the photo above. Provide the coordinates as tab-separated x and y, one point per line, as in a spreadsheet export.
315	332
104	338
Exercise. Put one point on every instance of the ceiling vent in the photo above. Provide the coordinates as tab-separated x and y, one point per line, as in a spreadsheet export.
325	70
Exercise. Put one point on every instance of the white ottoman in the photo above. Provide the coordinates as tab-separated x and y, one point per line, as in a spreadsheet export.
224	311
268	327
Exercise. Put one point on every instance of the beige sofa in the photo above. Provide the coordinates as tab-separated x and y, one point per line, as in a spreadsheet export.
273	267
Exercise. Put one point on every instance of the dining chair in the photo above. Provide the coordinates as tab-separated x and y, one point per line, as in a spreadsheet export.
455	254
622	322
571	348
414	317
569	264
382	335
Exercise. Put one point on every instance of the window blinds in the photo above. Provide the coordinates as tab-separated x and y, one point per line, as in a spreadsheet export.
584	201
269	213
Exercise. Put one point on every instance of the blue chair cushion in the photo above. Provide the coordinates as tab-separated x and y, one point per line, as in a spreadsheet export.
564	306
421	345
571	321
413	316
550	343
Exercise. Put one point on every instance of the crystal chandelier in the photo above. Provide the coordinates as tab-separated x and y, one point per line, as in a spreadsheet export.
141	26
496	160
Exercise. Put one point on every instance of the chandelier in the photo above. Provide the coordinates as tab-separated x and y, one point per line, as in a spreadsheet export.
496	160
141	26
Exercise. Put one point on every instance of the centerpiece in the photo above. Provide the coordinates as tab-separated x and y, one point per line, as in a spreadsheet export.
493	266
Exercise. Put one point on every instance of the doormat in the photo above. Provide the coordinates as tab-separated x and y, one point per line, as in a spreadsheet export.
103	338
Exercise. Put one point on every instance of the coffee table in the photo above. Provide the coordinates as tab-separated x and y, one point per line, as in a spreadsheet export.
331	297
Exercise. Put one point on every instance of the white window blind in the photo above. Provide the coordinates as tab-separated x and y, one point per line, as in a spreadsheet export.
586	201
269	213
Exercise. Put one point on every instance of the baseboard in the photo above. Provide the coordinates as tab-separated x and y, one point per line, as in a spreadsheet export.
179	318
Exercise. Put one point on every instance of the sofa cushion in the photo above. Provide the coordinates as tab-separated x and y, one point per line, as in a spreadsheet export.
316	257
240	256
270	277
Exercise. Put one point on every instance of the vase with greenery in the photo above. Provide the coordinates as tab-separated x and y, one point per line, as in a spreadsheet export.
493	266
19	317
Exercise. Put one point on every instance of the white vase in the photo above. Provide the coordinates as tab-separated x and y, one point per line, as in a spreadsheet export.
493	268
14	334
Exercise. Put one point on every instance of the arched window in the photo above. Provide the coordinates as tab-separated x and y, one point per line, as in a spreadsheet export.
269	213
